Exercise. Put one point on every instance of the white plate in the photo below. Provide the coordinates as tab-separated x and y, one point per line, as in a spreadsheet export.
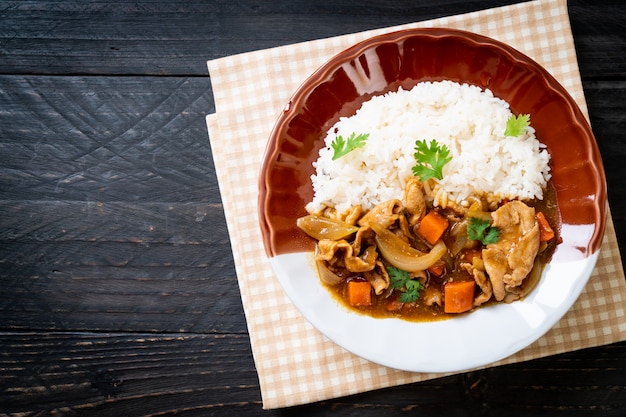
457	344
406	58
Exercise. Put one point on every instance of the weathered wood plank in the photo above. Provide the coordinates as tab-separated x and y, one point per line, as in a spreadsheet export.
605	100
74	374
194	260
106	139
143	374
139	38
122	266
600	38
90	221
105	285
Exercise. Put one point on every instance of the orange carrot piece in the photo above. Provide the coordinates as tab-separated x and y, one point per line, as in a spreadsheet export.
437	269
546	233
432	227
359	293
458	296
393	304
470	254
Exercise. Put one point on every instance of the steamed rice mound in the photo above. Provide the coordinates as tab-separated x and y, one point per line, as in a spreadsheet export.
470	121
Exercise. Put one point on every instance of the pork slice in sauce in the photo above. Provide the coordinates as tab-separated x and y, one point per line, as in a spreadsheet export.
342	252
385	214
378	278
414	201
510	260
477	270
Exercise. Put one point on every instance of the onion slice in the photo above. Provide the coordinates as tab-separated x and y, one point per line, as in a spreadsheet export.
327	276
324	228
400	254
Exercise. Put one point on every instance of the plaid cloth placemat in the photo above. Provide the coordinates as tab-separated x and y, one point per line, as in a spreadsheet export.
295	363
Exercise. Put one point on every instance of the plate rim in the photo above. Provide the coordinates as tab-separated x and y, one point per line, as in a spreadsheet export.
355	50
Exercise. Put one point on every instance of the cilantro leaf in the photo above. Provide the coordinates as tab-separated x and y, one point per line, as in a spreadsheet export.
516	126
342	146
430	160
413	288
399	280
480	229
397	277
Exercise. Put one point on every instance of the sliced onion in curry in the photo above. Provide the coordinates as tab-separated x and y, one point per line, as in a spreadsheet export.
458	235
324	228
532	279
327	276
400	254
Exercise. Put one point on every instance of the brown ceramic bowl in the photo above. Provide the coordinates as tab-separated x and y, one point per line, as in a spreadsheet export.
405	58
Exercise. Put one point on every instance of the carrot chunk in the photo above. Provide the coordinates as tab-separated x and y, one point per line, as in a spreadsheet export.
437	269
432	227
546	233
359	293
394	304
470	254
458	296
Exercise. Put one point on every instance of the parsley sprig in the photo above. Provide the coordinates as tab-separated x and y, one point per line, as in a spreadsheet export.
516	126
430	159
343	146
481	229
400	279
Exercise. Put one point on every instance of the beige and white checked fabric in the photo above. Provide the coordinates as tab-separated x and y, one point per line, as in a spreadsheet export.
295	363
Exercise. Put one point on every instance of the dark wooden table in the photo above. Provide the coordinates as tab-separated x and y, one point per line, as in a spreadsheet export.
118	293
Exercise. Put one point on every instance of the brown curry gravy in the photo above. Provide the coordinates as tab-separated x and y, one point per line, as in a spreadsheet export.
419	312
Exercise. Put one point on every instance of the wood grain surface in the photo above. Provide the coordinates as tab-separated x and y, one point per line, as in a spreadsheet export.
118	292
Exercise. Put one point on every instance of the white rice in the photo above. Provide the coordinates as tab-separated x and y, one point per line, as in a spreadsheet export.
470	121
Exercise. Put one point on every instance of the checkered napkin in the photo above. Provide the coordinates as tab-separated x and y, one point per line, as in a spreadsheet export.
295	363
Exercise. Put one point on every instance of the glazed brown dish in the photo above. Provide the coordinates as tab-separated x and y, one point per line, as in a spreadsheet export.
406	58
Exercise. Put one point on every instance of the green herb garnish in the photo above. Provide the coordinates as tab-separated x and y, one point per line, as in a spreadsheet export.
430	160
400	279
342	146
480	229
516	126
